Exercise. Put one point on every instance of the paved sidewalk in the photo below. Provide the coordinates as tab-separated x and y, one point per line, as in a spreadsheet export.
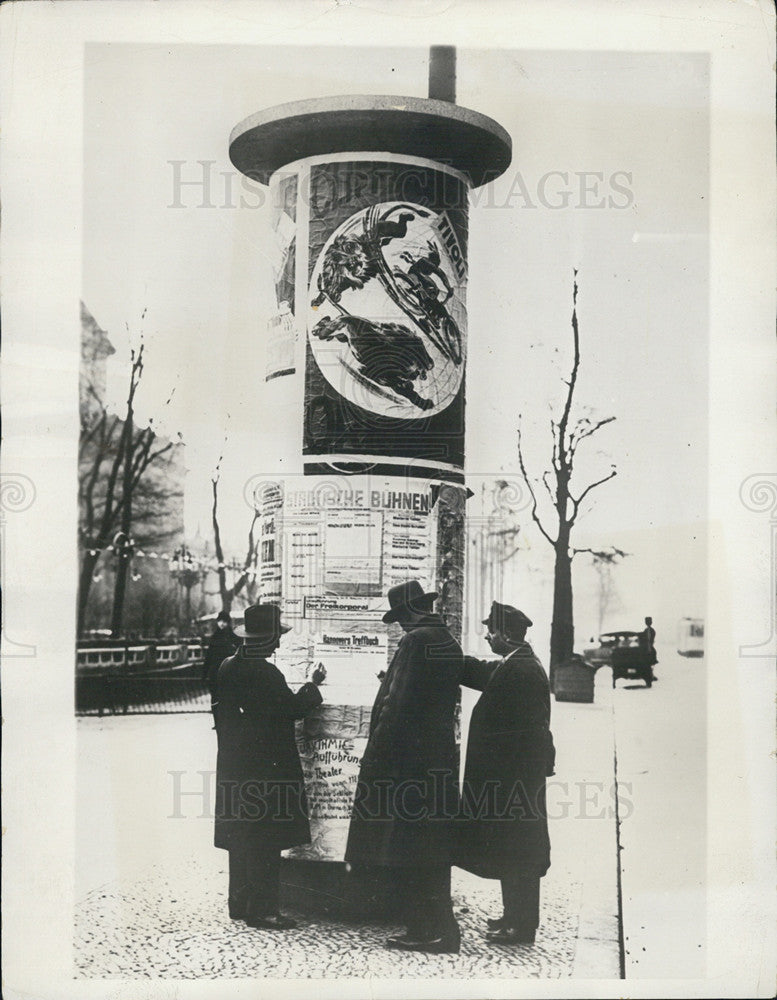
151	895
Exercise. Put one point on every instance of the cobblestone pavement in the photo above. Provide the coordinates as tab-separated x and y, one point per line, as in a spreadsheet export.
151	888
174	923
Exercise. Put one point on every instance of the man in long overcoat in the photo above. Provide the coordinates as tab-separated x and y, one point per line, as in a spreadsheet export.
221	644
407	794
509	755
261	807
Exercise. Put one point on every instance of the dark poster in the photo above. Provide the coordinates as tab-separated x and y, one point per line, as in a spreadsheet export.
386	345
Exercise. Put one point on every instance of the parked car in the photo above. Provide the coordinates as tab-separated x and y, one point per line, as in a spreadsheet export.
624	653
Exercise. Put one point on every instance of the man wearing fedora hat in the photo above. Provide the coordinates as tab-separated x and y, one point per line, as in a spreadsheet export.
510	753
261	807
407	793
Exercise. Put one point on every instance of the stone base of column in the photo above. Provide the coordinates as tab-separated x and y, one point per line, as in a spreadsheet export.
328	887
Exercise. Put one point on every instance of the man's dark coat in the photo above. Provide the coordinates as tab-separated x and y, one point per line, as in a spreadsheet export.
647	643
221	644
260	794
408	794
509	754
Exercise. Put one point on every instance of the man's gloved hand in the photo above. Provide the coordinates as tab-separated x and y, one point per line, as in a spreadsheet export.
319	674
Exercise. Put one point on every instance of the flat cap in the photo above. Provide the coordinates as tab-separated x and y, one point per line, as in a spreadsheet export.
506	618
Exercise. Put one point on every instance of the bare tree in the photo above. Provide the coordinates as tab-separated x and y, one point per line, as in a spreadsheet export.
227	593
565	503
116	491
603	562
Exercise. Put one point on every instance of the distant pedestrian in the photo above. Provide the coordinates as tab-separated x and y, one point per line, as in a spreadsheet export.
510	753
261	808
647	641
407	795
221	644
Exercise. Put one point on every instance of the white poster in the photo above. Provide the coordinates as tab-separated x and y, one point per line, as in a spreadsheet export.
338	608
331	769
353	552
408	548
353	661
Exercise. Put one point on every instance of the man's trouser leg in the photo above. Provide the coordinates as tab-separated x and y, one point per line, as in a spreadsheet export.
428	909
408	881
263	869
441	918
521	898
237	882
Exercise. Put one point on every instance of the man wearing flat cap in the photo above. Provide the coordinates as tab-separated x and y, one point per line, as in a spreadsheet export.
509	755
407	795
261	807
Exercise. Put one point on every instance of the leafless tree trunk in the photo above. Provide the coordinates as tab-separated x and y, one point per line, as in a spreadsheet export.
227	593
566	505
114	456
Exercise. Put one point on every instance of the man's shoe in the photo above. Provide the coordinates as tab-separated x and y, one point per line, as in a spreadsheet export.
272	921
237	909
496	923
444	944
510	935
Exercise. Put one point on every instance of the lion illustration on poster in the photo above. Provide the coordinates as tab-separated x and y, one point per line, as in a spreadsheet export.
351	260
387	353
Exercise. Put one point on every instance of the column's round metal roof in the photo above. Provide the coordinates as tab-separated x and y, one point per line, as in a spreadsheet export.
412	126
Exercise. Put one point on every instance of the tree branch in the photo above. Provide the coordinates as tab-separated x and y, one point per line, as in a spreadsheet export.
534	513
563	457
576	502
547	487
603	555
554	439
111	506
149	459
219	551
252	543
577	435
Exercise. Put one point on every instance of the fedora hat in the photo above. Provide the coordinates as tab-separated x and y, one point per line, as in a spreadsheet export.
262	621
408	597
507	619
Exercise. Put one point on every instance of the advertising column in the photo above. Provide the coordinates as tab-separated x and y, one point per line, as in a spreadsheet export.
370	200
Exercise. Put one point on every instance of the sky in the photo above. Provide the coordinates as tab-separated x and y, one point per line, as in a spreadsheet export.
609	177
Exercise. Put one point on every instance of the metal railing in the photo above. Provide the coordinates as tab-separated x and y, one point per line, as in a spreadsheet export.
127	679
115	656
138	655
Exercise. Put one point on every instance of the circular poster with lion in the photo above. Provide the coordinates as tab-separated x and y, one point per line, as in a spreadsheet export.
387	320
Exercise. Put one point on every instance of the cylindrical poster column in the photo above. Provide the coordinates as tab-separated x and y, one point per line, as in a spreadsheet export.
370	198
